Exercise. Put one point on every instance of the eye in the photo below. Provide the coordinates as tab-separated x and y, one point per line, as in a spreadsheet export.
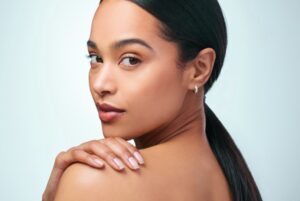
131	60
94	58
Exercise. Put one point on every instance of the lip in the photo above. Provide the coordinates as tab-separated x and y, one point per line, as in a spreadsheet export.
109	116
108	108
107	113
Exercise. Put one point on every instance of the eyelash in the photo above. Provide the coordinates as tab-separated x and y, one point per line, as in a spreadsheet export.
90	57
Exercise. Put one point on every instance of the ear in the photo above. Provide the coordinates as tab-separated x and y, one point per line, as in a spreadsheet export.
199	70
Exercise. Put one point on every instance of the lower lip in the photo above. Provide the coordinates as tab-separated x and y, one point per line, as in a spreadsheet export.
109	116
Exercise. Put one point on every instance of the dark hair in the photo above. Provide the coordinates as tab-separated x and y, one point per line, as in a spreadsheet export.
194	25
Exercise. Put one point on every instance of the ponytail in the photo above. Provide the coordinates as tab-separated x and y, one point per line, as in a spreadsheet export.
235	169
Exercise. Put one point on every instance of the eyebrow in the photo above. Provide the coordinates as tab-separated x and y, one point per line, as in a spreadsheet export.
122	43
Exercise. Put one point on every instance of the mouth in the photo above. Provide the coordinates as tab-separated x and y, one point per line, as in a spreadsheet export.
108	108
109	116
108	113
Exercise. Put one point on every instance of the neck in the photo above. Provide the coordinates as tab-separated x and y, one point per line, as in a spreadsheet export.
188	125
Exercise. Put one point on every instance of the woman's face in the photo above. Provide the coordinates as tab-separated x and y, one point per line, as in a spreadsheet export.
150	87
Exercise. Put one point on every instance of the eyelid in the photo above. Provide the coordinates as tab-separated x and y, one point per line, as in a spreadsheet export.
132	56
89	57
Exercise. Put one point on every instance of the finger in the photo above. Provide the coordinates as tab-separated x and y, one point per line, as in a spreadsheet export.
75	147
132	149
122	152
64	159
104	152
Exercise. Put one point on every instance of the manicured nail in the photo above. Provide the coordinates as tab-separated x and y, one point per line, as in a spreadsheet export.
98	162
119	163
138	157
133	163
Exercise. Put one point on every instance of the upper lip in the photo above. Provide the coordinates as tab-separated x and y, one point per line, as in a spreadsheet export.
106	107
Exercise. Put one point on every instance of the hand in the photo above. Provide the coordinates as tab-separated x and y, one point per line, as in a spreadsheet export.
93	153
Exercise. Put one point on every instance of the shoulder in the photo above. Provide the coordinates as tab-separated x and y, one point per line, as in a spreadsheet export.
168	174
82	182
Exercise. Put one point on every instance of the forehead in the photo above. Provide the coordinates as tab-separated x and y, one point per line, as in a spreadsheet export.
122	19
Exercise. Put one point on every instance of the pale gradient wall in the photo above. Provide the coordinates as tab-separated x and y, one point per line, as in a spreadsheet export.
46	107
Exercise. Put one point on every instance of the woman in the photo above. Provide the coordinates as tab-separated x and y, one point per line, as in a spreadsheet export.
154	61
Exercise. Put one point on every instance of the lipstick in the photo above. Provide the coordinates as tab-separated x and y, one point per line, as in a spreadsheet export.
107	113
109	116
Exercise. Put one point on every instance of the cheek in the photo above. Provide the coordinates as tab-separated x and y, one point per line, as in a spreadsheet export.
155	98
152	97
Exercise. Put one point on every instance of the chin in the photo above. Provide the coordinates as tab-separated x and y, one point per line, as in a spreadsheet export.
116	133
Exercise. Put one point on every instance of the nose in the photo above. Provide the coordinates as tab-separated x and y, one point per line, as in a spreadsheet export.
102	80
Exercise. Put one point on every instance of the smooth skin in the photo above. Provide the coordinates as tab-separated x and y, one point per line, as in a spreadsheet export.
96	154
163	115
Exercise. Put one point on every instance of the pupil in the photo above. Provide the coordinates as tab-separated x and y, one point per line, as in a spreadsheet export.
132	59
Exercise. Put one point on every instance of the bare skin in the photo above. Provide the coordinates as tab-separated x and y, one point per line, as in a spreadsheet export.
187	169
171	172
163	115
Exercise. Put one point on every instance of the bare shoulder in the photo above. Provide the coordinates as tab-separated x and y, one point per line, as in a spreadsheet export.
168	174
82	182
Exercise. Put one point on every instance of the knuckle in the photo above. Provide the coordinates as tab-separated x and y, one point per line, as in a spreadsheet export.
118	147
101	140
60	155
109	140
123	150
128	144
92	142
96	141
95	144
75	153
106	152
110	155
113	142
60	158
84	143
72	148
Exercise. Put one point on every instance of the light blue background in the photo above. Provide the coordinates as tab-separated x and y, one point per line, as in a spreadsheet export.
46	106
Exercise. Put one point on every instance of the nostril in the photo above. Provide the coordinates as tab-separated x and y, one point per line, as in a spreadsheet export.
103	93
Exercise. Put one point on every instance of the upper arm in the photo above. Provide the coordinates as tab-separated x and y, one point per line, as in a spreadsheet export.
81	182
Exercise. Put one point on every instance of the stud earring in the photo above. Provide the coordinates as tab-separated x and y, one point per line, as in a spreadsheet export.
196	89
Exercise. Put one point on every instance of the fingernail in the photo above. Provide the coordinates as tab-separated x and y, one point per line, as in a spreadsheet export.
119	163
133	163
98	162
138	157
